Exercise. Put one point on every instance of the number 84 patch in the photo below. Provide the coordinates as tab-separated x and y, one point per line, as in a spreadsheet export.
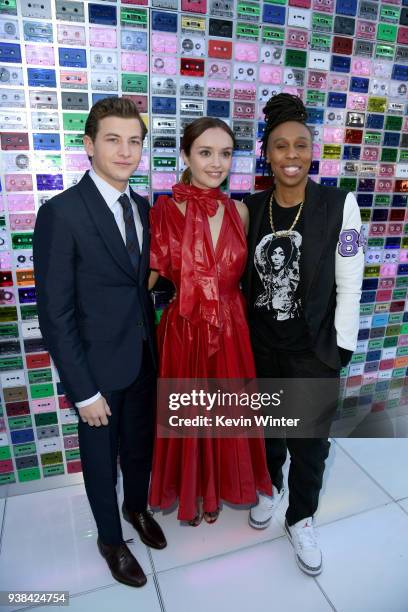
349	242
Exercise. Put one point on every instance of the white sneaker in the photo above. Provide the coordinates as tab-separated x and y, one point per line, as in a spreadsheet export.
261	514
308	554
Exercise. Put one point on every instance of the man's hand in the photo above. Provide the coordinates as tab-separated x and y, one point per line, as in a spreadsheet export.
95	413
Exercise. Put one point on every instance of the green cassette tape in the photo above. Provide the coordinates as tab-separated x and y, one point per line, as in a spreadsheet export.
70	429
29	474
45	418
402	281
139	181
320	42
403	155
74	121
53	470
5	453
376	242
377	104
21	422
392	330
365	214
51	458
9	331
22	241
392	403
399	294
249	11
164	163
404	329
73	142
375	345
366	309
348	183
8	313
382	199
315	97
40	391
282	2
387	31
390	341
389	14
389	155
295	58
73	454
381	396
20	450
8	7
371	271
358	358
39	376
322	22
10	363
367	389
402	351
273	35
331	151
398	373
133	17
136	83
248	31
393	123
395	317
7	478
396	384
29	312
2	221
383	51
372	138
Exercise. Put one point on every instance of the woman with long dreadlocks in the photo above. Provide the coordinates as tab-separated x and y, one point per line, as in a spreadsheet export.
303	286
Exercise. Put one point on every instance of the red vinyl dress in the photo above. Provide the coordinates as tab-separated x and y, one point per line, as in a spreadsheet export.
203	334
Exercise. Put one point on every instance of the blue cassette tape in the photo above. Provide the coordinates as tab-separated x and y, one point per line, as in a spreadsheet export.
399	200
400	72
37	31
41	77
46	142
373	355
366	185
49	182
100	96
261	166
9	52
102	14
380	214
340	63
260	131
374	122
164	106
370	284
314	167
346	7
367	297
218	108
330	181
72	58
402	270
393	242
273	13
164	22
379	320
391	139
21	436
351	153
315	115
365	200
359	84
337	99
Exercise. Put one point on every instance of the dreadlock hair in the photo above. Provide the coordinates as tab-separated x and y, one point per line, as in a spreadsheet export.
279	109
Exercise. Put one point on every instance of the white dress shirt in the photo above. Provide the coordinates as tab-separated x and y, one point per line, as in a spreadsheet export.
111	197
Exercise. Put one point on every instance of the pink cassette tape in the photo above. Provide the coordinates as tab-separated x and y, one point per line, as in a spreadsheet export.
164	43
219	70
163	64
323	6
242	164
377	229
22	221
77	162
370	154
383	185
405	125
356	101
297	39
332	134
144	163
163	180
403	341
73	80
40	56
5	260
218	89
338	82
103	37
71	35
316	150
365	29
136	62
70	442
317	80
403	258
246	52
294	91
386	283
17	202
402	36
46	404
388	270
386	170
244	110
240	182
7	297
258	145
19	182
395	229
329	167
361	66
244	91
270	74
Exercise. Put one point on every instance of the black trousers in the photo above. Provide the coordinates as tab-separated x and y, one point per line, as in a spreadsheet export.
129	433
307	455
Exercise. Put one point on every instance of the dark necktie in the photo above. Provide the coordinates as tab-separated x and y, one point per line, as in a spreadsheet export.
132	242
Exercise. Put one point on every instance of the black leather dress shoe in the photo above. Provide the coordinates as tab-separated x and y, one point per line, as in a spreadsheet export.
122	564
148	529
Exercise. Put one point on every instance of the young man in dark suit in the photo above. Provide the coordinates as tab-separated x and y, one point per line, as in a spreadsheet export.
91	258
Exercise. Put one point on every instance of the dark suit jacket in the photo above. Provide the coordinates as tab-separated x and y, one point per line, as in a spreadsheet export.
322	221
92	304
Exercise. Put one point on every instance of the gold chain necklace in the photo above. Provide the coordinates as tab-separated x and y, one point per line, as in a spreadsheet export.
283	232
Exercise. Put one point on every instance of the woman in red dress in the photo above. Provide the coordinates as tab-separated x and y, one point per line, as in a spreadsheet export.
198	241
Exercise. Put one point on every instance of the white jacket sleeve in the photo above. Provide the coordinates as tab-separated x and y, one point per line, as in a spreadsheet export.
349	269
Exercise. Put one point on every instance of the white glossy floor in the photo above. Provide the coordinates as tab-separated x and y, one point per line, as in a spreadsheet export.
48	541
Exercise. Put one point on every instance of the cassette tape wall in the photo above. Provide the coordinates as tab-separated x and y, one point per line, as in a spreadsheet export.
178	60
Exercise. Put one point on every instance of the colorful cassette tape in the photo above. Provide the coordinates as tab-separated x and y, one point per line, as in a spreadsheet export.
332	135
41	120
297	38
43	99
17	202
400	72
359	85
41	77
365	29
20	221
244	91
137	62
10	120
322	22
103	37
274	14
71	35
338	82
72	58
74	122
336	99
70	10
163	180
14	141
133	40
164	106
10	52
240	182
242	164
163	64
164	22
73	142
243	110
100	14
245	52
218	89
36	9
272	75
195	67
164	43
70	79
194	6
77	162
248	11
9	29
218	108
135	17
18	182
247	31
324	6
221	49
134	83
141	103
316	79
273	35
46	142
49	182
220	27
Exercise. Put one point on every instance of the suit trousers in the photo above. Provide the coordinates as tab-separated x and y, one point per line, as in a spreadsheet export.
307	455
130	433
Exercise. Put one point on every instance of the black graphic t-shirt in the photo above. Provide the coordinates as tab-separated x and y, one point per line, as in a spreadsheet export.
278	316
